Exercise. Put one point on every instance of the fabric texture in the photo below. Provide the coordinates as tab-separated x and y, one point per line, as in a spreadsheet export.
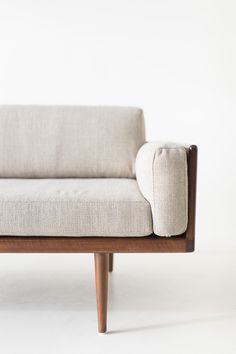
69	141
73	207
161	171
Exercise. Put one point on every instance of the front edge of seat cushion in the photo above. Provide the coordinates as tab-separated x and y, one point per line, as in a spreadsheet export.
73	207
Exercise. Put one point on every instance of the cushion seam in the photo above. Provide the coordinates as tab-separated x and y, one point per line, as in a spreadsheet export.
72	201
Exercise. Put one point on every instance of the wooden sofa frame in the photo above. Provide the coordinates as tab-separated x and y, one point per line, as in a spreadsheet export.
104	247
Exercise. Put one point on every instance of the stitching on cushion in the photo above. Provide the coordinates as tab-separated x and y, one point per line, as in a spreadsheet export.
153	187
174	148
102	234
72	201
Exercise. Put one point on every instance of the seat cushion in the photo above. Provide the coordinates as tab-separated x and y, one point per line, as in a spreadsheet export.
73	207
69	141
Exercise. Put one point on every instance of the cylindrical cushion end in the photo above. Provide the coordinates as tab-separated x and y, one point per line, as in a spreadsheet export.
161	172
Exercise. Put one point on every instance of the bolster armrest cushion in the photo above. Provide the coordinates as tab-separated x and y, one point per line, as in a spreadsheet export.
161	172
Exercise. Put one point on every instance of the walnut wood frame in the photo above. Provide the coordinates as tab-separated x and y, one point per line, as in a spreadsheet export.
104	247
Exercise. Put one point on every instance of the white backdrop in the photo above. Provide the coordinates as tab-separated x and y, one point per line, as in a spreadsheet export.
175	59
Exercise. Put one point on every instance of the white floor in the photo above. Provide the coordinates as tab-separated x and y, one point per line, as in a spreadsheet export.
158	303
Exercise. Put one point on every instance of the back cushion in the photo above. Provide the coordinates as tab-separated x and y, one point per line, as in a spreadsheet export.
69	141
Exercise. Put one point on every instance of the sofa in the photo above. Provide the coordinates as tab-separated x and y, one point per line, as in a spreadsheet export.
84	179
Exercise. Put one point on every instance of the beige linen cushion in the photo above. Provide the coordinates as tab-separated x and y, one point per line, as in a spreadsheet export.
73	207
69	141
161	171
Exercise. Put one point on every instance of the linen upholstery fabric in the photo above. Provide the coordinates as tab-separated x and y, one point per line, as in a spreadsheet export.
69	141
73	207
161	171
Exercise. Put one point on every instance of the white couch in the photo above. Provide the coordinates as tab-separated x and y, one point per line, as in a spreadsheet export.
84	179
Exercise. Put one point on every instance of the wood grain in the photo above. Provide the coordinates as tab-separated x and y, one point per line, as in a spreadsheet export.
192	185
101	280
111	262
18	244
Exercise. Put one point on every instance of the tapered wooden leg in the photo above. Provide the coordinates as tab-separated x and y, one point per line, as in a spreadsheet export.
111	257
101	275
